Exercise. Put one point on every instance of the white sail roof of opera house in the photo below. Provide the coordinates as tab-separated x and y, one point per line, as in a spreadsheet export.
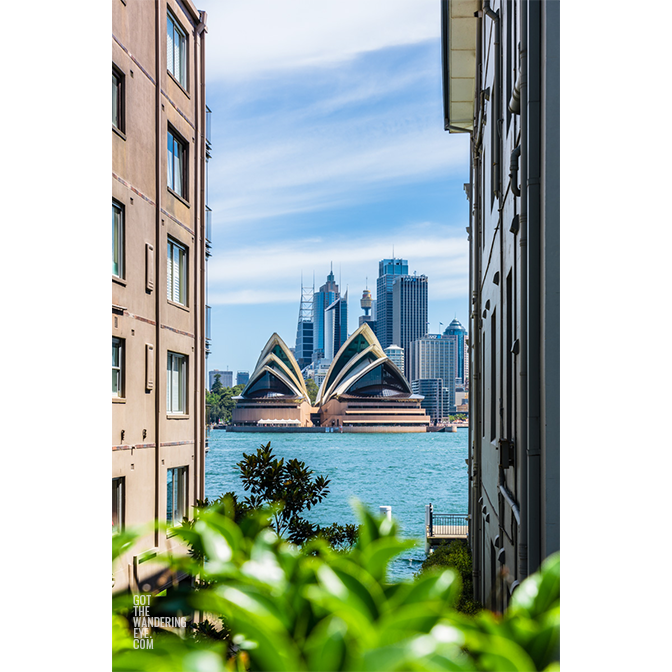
361	368
277	374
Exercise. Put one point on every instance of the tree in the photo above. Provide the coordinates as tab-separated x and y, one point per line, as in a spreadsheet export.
272	481
312	388
220	401
217	386
288	488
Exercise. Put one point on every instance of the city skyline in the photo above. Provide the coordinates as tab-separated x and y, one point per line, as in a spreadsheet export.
286	325
332	151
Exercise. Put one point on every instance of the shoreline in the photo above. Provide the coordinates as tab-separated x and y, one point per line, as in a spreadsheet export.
334	430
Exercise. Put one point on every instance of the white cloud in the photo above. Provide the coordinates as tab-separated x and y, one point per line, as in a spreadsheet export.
248	37
271	273
306	170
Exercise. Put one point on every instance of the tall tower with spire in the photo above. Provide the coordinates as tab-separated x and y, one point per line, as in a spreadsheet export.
322	299
366	302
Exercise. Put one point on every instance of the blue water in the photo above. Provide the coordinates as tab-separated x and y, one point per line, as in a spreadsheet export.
404	471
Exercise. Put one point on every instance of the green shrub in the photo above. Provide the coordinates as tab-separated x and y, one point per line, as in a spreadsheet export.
456	555
319	609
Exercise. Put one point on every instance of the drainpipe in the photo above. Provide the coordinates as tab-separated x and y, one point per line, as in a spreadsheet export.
497	92
532	101
158	247
475	341
530	294
475	409
199	336
514	102
513	171
522	417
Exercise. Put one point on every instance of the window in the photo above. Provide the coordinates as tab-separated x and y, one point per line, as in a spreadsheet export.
176	384
117	504
117	367
177	51
117	240
176	495
177	272
177	164
117	99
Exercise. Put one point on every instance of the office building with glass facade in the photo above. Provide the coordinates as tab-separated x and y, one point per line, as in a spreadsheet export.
409	306
322	299
388	271
457	330
435	356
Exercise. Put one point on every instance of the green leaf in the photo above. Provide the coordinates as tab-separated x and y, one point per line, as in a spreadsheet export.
326	648
377	555
497	654
442	586
123	541
539	592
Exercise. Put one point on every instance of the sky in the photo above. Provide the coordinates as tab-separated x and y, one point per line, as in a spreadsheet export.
328	148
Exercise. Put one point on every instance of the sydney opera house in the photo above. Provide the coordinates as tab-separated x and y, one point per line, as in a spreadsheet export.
363	391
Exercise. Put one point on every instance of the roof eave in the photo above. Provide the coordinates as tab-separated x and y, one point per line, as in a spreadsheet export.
459	29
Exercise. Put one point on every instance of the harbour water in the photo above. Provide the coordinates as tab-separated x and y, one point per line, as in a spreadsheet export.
404	471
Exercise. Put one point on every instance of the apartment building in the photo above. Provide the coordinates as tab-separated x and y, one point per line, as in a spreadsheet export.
160	243
501	85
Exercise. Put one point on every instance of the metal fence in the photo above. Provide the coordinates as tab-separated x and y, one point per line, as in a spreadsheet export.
447	524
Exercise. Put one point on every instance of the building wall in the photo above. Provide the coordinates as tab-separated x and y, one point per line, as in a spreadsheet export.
146	441
379	414
514	292
246	413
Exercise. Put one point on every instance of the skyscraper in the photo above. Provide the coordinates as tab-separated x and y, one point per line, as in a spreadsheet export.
409	311
396	355
225	378
388	271
456	329
322	299
435	356
434	399
335	326
305	329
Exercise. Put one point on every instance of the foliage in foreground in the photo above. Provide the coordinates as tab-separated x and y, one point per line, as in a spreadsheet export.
456	555
317	609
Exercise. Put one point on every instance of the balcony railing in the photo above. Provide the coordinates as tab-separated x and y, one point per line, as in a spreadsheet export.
446	524
208	231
